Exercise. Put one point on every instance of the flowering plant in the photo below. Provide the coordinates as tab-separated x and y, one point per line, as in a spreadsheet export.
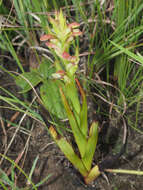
59	39
60	91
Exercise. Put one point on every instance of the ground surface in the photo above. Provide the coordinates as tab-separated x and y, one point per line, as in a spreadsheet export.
52	161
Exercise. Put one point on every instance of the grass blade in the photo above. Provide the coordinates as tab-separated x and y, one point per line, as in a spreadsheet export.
129	53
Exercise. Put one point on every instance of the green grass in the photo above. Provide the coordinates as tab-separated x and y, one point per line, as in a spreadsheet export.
115	37
7	182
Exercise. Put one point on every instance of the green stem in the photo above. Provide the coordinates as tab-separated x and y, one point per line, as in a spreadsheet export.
134	172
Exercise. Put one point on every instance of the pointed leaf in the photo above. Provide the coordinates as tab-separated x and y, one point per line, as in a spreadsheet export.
91	145
62	20
83	112
67	149
72	94
79	137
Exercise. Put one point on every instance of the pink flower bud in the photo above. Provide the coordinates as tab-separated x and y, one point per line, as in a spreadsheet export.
47	37
51	45
66	55
73	25
76	32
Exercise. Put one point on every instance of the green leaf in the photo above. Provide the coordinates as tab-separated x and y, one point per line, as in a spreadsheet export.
78	135
67	149
46	69
91	145
72	94
83	112
28	80
83	118
62	20
51	98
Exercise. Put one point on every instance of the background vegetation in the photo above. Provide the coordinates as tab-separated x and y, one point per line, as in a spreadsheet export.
110	68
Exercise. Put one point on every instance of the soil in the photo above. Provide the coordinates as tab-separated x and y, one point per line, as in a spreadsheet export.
52	162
